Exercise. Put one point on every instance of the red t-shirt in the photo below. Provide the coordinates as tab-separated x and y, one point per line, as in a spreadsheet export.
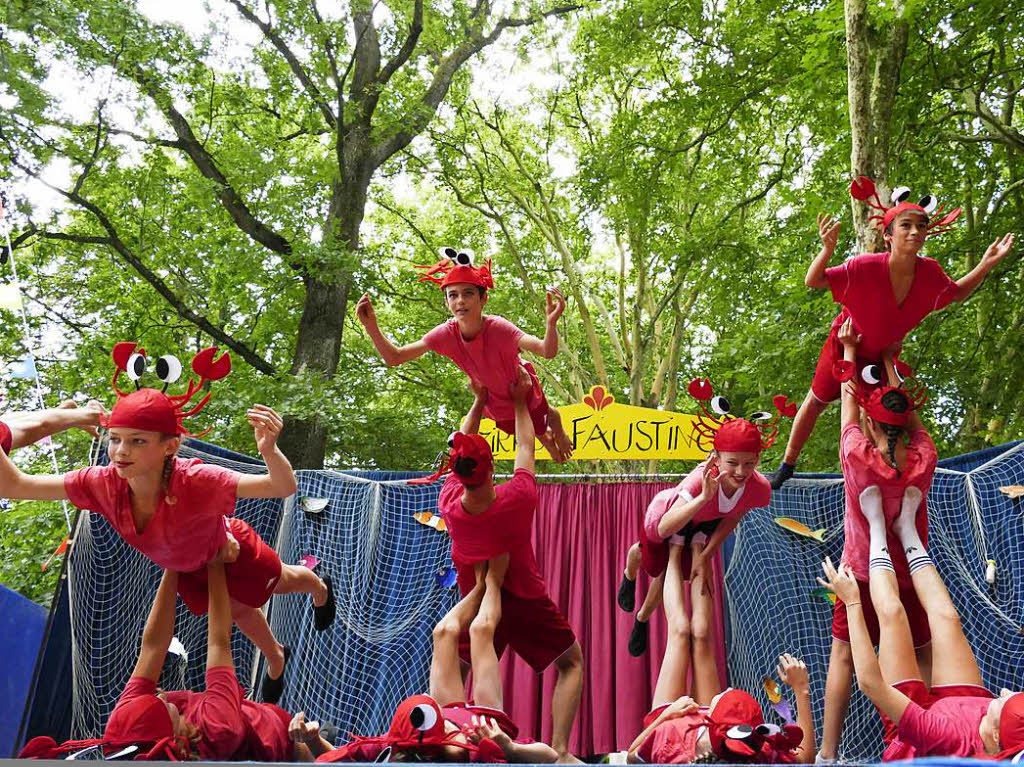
863	466
6	438
949	727
181	537
505	526
674	741
230	727
753	494
861	284
492	358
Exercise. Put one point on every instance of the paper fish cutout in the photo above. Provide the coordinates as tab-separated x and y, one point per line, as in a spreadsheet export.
314	505
1012	491
827	594
800	529
447	577
783	709
57	552
430	519
771	687
26	368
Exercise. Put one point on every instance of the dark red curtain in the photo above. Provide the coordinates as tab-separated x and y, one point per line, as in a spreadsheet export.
581	534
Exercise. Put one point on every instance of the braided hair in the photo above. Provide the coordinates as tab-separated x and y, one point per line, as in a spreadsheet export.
895	401
464	466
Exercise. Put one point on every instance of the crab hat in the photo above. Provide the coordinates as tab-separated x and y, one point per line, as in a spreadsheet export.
150	409
871	400
456	266
468	446
863	188
1011	726
715	429
738	732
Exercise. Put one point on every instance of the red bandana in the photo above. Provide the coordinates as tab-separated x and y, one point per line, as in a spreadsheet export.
863	188
1011	726
144	719
464	446
456	266
871	399
738	436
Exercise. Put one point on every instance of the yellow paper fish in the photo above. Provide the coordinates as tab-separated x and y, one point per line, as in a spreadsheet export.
800	529
430	519
1013	491
771	687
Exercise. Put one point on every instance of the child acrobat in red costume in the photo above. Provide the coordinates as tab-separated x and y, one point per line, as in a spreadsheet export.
684	526
886	295
180	513
485	346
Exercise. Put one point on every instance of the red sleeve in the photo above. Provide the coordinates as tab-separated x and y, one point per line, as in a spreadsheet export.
6	438
839	279
89	488
451	494
762	495
137	687
923	447
521	490
925	730
943	288
216	486
693	483
852	440
439	339
219	712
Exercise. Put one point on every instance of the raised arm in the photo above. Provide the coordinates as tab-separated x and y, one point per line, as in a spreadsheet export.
889	700
850	410
525	435
156	637
28	427
995	253
793	672
682	511
391	354
14	483
279	481
471	423
828	230
547	348
674	710
218	638
914	422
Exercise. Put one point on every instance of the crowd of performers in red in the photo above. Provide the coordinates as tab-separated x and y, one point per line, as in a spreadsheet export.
179	513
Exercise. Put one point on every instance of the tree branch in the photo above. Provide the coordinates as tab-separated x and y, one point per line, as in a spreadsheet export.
408	46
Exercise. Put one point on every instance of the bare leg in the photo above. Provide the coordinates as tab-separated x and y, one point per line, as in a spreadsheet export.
298	578
803	425
706	681
565	701
486	674
838	687
924	662
653	599
447	684
633	558
547	439
676	663
558	433
253	623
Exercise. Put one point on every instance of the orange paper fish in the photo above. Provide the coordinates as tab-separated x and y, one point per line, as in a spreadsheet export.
1013	491
771	687
430	519
800	529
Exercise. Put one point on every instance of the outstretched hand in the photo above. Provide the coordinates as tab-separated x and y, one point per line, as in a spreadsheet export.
841	581
828	230
793	671
365	313
847	336
555	305
267	426
998	250
483	728
710	479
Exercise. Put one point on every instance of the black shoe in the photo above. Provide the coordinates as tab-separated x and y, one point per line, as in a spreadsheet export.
272	689
638	639
323	616
783	473
627	594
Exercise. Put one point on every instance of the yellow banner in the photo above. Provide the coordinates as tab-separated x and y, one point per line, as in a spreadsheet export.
600	428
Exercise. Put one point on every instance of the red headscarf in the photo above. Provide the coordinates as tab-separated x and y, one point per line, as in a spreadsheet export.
456	266
738	733
1011	726
738	436
471	446
871	400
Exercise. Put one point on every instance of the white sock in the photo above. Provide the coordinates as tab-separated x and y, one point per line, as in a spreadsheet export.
905	528
878	544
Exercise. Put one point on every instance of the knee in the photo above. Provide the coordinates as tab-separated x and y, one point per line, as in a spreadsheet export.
700	629
482	628
944	612
446	630
571	659
889	610
679	628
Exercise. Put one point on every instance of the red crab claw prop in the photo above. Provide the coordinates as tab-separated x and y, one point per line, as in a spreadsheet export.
204	365
700	389
122	352
784	406
843	370
862	188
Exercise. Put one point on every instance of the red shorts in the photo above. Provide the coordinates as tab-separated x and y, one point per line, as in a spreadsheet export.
461	713
922	696
653	714
824	386
534	628
653	557
537	404
251	578
916	616
6	438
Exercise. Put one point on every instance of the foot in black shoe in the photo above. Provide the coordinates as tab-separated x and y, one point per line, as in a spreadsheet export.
323	616
638	639
627	594
272	689
783	473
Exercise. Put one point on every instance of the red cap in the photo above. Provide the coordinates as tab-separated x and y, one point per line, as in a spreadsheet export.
732	719
738	436
475	447
890	215
456	266
144	719
146	410
1011	726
